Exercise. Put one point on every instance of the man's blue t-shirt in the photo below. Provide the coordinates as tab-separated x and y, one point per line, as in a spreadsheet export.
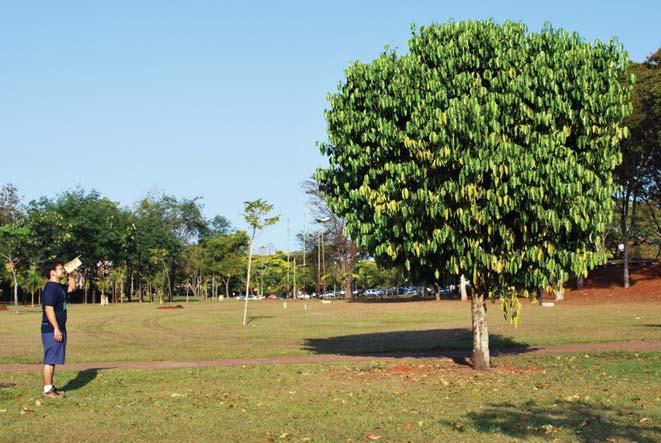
54	294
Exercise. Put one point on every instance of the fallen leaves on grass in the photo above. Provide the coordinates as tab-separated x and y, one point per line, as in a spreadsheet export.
25	411
645	421
548	429
374	436
587	421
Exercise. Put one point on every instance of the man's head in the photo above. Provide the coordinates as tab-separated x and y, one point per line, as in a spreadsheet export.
53	269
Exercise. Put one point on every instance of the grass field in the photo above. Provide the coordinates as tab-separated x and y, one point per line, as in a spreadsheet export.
551	398
569	397
213	330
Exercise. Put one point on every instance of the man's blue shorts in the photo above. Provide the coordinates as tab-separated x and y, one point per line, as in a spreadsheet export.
54	351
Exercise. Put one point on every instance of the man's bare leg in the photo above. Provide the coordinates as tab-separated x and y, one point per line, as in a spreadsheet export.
47	374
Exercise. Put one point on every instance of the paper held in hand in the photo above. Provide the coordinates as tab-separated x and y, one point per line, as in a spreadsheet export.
72	265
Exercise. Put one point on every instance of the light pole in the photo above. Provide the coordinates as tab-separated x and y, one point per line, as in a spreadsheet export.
320	254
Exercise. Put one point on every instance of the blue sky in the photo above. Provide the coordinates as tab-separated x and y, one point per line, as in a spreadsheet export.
215	99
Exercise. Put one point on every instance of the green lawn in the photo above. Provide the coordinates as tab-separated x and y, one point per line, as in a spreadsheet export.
213	330
544	398
580	397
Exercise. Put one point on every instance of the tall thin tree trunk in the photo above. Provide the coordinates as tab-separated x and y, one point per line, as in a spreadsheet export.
245	307
437	292
13	272
480	332
624	215
132	287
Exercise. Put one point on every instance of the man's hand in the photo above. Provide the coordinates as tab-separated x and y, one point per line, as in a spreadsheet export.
73	279
57	335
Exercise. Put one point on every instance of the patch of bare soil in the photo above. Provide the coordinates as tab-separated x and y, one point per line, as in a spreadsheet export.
604	285
171	307
3	308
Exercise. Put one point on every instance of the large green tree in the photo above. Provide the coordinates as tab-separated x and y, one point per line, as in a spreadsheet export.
486	151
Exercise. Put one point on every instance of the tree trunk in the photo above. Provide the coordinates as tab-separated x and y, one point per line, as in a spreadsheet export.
624	225
227	288
462	287
579	282
539	297
625	276
130	294
437	292
13	272
245	309
348	288
480	332
33	298
121	290
625	270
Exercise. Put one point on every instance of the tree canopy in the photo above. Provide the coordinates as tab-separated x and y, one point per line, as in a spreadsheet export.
487	150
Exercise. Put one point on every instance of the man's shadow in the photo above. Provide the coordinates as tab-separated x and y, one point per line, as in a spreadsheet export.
82	378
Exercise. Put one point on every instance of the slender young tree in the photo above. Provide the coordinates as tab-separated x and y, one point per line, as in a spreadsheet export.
486	151
256	215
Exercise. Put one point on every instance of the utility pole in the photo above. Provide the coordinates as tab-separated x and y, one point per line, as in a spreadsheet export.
319	266
288	286
295	291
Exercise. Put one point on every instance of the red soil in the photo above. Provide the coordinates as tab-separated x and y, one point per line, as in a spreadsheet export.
171	307
604	285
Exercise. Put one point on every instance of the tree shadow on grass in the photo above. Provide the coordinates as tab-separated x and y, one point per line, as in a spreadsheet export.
453	343
586	421
82	379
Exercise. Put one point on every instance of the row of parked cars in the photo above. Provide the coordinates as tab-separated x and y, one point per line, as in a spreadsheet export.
371	292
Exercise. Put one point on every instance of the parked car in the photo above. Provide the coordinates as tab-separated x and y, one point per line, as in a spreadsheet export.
250	297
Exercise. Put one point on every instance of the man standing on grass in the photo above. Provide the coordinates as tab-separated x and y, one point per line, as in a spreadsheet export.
54	322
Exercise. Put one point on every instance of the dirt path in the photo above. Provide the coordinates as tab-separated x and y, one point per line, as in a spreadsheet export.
327	358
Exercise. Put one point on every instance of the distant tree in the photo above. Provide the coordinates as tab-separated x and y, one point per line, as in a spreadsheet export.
225	255
32	282
342	247
638	175
256	213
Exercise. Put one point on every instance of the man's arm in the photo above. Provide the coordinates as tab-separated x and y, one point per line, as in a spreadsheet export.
50	315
